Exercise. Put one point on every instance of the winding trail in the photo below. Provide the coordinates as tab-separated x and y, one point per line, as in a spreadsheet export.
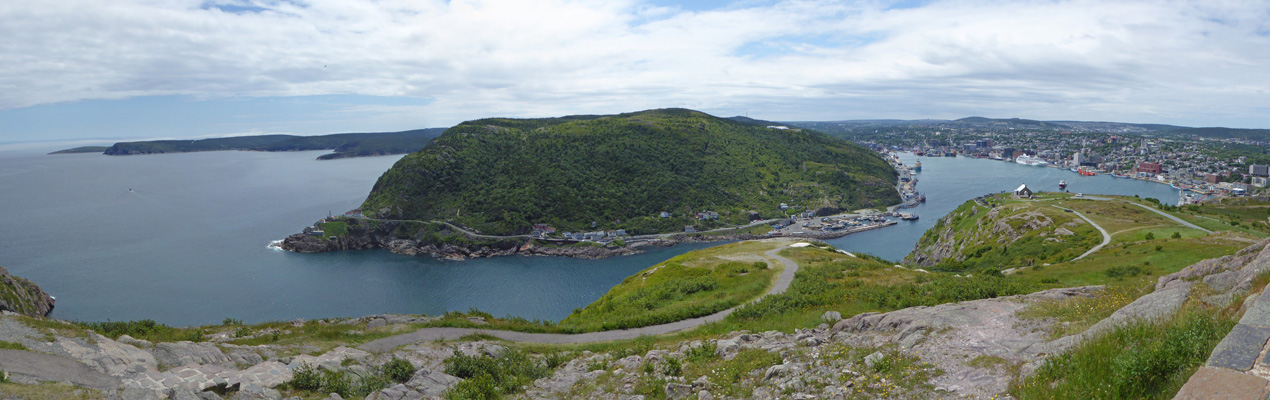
429	334
1170	216
1106	237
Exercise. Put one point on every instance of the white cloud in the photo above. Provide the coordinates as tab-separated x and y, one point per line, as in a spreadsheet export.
1165	61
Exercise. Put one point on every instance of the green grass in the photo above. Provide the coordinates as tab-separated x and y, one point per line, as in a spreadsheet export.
334	229
47	391
730	377
691	285
1138	361
1174	254
11	345
145	330
1074	315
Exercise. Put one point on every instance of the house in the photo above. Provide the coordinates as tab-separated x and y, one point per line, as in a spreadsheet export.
621	232
1259	181
1023	191
664	215
707	215
784	206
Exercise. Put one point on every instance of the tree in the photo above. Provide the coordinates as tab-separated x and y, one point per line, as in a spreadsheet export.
1177	235
1150	236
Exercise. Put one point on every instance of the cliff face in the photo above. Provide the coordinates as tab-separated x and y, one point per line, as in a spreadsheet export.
23	297
411	239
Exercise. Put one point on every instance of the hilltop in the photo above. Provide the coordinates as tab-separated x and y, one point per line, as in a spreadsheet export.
344	144
501	176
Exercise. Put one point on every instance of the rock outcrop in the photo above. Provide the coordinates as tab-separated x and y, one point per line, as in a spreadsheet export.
23	297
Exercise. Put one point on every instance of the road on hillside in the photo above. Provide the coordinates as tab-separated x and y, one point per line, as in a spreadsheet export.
1170	216
429	334
1106	237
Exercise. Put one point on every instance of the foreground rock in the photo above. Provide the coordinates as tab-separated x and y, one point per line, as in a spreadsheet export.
23	297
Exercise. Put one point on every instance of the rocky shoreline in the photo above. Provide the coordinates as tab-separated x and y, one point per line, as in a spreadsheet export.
363	235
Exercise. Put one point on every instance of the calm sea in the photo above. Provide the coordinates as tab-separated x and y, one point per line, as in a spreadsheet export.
181	239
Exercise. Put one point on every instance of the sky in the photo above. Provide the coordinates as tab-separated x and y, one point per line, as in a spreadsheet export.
145	69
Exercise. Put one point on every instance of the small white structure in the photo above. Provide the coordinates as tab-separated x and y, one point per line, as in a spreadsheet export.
1023	191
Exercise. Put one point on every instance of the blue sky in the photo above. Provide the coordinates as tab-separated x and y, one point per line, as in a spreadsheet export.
138	69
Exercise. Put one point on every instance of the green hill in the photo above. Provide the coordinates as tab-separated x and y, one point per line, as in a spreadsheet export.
576	173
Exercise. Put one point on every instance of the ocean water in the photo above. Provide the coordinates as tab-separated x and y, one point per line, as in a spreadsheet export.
182	238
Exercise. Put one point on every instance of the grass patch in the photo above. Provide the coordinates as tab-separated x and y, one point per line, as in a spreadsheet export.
730	377
145	329
1074	315
690	285
11	345
333	229
893	375
490	377
854	285
1138	361
671	292
47	391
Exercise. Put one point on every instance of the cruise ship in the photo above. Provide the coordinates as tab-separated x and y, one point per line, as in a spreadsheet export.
1029	160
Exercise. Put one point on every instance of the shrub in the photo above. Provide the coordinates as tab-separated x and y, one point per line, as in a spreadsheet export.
398	370
506	373
305	378
703	352
1150	236
230	321
674	367
1177	235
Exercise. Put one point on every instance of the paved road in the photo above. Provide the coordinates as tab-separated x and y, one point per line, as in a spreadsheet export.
1170	216
1106	237
50	368
429	334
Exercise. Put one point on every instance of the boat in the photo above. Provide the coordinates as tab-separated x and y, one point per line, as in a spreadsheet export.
1183	188
1085	172
922	199
919	153
1062	184
950	154
917	166
1029	160
908	216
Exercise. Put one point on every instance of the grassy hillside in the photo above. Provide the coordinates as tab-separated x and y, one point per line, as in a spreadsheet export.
690	285
578	173
1002	233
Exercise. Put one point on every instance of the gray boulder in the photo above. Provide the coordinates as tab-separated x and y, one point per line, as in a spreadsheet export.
185	353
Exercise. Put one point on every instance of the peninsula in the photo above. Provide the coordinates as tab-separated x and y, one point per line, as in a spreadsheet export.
500	186
345	145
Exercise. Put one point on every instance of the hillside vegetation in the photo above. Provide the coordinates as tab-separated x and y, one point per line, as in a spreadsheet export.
500	176
1002	233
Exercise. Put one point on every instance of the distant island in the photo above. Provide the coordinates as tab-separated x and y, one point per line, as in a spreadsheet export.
499	183
345	145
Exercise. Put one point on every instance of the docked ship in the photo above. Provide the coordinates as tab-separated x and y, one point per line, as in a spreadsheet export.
1085	172
917	166
1062	184
1029	160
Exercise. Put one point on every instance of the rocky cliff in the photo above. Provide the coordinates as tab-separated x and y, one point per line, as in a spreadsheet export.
440	241
23	297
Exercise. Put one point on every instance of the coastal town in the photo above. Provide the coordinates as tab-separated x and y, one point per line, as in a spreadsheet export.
1202	167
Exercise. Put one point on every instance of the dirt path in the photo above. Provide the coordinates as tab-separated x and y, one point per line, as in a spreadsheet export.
1170	216
1106	237
429	334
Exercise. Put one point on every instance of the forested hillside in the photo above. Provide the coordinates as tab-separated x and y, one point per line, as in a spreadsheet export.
501	176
